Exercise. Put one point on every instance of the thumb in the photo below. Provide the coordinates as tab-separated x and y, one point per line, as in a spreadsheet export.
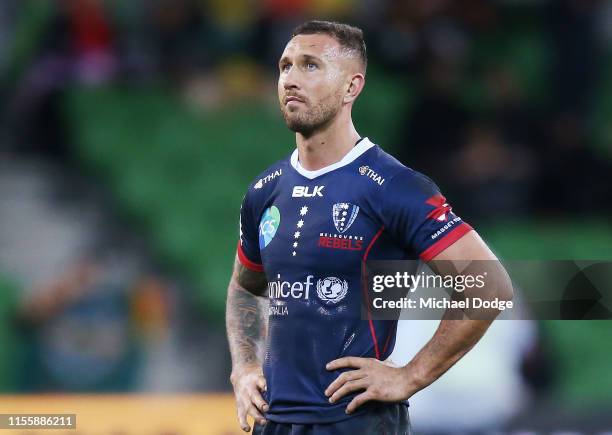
261	383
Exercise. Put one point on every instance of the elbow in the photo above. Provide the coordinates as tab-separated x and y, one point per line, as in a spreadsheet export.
505	290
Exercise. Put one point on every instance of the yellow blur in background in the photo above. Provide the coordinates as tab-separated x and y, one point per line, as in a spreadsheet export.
203	414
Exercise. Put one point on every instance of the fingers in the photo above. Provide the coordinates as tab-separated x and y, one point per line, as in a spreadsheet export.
250	402
258	401
261	384
257	416
340	380
359	400
348	361
347	388
246	409
242	419
256	405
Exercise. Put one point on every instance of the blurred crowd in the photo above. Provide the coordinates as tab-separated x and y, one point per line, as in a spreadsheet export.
527	145
511	105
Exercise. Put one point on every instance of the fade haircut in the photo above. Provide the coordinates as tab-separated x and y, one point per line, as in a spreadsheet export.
349	37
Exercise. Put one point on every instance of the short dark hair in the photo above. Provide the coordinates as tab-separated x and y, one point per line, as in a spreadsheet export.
349	37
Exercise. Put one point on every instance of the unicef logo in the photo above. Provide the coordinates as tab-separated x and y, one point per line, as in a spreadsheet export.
331	289
268	226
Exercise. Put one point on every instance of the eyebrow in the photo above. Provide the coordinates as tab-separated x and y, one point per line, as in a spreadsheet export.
306	57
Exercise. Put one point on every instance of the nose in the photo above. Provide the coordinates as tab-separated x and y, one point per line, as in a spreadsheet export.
290	80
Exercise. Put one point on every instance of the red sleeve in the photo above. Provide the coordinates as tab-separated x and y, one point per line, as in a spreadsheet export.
447	240
255	267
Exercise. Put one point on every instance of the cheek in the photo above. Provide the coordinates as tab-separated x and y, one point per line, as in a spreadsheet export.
333	75
321	90
333	84
330	93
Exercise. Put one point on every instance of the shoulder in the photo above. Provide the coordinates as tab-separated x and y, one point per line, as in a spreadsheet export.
265	181
398	178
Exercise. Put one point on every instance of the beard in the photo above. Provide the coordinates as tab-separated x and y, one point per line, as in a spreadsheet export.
308	119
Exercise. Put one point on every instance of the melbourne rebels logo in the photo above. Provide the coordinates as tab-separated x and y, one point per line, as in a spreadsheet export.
268	226
331	290
343	215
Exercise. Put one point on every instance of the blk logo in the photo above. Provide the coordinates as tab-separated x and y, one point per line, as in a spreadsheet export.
307	192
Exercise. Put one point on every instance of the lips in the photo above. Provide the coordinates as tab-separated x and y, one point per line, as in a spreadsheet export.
294	98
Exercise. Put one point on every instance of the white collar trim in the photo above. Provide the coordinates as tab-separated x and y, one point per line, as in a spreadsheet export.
363	145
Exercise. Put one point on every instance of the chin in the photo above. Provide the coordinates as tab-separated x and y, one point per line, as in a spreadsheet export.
294	121
297	127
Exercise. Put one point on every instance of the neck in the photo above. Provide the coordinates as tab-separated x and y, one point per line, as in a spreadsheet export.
327	146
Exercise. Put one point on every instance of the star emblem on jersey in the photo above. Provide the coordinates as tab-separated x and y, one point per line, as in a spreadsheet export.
298	233
331	290
441	210
343	215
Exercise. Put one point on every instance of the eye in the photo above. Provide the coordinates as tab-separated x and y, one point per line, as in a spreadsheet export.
285	67
311	66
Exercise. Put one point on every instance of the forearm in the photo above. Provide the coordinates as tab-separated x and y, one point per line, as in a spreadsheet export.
452	340
246	324
460	330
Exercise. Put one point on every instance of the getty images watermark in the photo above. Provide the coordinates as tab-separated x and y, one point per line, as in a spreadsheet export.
545	290
458	283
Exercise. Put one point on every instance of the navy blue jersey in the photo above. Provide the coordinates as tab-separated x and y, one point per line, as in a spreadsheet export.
310	232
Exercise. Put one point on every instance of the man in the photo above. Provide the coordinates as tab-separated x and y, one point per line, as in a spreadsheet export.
303	360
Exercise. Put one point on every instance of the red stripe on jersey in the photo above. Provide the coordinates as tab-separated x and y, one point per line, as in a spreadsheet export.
447	240
392	331
441	210
365	290
248	263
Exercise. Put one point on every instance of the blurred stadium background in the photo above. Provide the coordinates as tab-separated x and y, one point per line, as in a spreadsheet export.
129	131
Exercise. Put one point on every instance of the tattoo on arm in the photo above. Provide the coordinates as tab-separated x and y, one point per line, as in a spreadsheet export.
246	315
254	282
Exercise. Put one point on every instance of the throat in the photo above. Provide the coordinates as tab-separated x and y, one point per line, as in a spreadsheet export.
313	157
356	151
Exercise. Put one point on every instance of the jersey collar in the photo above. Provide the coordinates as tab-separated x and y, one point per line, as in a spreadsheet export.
355	152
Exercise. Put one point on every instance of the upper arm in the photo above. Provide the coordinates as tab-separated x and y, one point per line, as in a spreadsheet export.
417	215
467	248
249	254
470	255
248	279
248	271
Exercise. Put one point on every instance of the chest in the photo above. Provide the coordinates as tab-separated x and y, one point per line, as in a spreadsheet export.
319	226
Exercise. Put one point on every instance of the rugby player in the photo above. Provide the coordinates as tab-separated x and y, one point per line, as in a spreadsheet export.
303	360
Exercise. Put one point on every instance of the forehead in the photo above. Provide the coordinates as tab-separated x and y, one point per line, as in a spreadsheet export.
320	45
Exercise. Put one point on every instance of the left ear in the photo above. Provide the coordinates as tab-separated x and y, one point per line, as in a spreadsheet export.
355	85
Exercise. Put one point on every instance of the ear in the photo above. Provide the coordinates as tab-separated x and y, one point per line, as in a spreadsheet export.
354	87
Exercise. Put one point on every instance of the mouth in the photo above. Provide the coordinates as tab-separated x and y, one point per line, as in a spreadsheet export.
293	99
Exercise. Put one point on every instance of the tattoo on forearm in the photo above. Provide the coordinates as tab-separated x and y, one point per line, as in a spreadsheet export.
246	318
